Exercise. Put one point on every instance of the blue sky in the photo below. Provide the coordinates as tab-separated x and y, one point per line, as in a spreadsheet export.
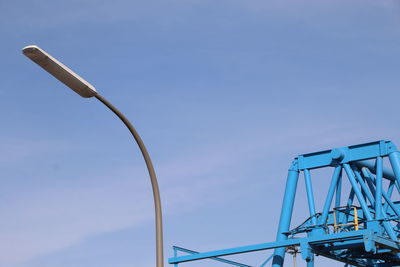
224	93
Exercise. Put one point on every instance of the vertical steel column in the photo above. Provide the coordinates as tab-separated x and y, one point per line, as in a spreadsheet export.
338	197
363	203
338	194
349	203
286	213
369	178
383	211
328	201
366	191
310	196
362	180
378	190
387	173
351	198
310	263
389	194
357	191
394	158
390	189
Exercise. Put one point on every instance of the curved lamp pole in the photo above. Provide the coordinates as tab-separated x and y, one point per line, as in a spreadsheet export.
85	89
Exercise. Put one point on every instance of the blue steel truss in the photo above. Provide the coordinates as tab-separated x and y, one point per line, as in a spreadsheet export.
361	229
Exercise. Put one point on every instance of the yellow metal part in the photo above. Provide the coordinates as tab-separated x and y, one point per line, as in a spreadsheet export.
355	221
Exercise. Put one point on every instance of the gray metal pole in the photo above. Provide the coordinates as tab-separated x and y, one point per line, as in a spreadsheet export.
85	89
153	179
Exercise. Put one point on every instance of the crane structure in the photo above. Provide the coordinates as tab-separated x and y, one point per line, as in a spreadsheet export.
358	224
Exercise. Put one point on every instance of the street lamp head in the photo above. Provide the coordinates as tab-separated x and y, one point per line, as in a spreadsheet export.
59	71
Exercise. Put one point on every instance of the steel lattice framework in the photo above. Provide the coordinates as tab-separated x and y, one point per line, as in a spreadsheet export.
359	229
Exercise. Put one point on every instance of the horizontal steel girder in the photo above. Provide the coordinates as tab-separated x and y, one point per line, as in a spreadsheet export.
361	235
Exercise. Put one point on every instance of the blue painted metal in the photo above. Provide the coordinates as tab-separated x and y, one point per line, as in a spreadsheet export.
286	212
338	191
367	194
365	235
351	153
358	235
310	195
176	249
378	190
331	191
267	260
357	190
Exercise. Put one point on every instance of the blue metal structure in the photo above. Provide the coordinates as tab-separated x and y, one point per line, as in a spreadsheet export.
359	229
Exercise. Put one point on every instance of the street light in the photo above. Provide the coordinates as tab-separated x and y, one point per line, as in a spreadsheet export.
85	89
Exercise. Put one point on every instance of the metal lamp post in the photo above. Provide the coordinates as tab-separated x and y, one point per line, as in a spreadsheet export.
85	89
